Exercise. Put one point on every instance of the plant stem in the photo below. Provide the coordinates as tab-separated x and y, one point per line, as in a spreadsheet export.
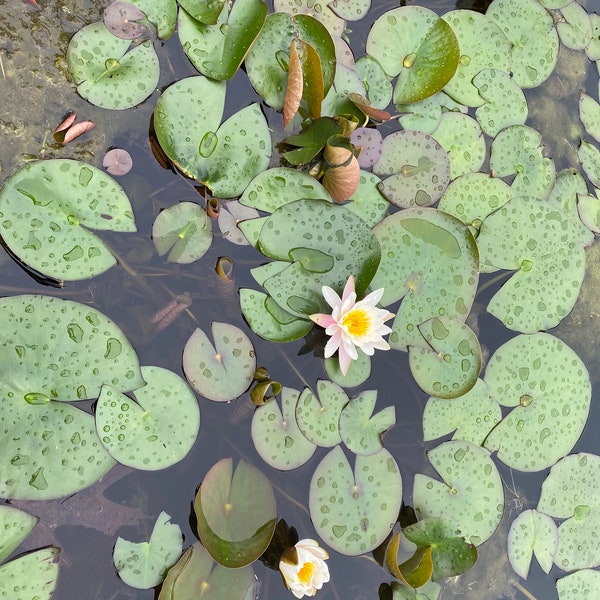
524	591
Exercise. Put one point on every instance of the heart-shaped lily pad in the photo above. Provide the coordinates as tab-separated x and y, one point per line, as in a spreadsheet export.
60	200
183	231
155	432
354	512
236	513
471	497
162	14
276	435
221	372
142	565
549	388
107	73
447	364
570	492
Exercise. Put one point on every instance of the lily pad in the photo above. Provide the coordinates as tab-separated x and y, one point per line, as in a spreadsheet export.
318	419
205	12
471	497
224	373
317	9
530	532
15	525
589	156
217	50
581	584
416	169
549	388
60	200
367	201
575	31
31	576
358	372
570	492
544	247
448	362
183	231
236	513
379	88
162	14
354	512
230	215
142	565
276	435
225	158
107	73
431	261
362	431
157	430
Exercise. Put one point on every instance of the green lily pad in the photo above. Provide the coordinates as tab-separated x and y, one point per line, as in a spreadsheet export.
354	512
530	29
15	525
236	513
543	246
196	570
589	212
337	101
60	201
424	116
471	497
205	12
358	372
589	113
448	362
575	31
416	169
217	50
268	59
276	435
504	101
362	431
589	156
570	492
325	244
530	532
142	565
183	231
318	418
163	14
275	187
549	388
367	201
107	73
225	158
581	584
157	430
30	576
317	9
378	86
461	137
430	260
471	416
474	196
351	10
483	45
224	373
517	150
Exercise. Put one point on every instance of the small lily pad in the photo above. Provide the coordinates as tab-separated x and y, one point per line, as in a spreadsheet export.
142	565
224	373
354	512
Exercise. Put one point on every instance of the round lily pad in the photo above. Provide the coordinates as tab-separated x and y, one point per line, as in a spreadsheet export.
15	525
471	497
581	584
354	512
33	575
157	430
48	209
549	388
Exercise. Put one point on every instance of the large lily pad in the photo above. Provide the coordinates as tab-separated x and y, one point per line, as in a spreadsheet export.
236	513
221	372
549	388
354	512
107	73
157	430
430	260
471	497
32	576
47	209
15	525
543	245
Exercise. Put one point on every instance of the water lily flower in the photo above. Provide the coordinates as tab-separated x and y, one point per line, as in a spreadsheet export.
353	324
304	569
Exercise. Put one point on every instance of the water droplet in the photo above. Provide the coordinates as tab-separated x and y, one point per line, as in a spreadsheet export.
208	144
38	481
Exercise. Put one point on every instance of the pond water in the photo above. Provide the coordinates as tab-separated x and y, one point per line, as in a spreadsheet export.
35	96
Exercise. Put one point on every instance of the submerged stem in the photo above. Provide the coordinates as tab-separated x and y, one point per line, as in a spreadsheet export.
524	591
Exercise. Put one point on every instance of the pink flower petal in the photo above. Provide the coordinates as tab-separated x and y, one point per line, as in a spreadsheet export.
348	288
322	320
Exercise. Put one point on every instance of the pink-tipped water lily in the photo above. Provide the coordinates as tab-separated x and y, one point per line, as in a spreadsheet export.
353	324
304	569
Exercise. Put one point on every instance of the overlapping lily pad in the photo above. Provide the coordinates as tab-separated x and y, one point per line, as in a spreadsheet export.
48	208
353	512
32	576
549	388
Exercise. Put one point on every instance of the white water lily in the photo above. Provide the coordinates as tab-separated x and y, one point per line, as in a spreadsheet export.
353	324
304	569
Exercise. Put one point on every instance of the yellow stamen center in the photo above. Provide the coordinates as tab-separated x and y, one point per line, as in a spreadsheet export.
357	322
306	572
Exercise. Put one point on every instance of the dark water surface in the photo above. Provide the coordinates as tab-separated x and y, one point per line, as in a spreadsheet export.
34	97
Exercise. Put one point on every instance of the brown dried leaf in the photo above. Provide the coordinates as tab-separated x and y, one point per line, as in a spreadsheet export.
342	175
364	104
76	130
293	93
